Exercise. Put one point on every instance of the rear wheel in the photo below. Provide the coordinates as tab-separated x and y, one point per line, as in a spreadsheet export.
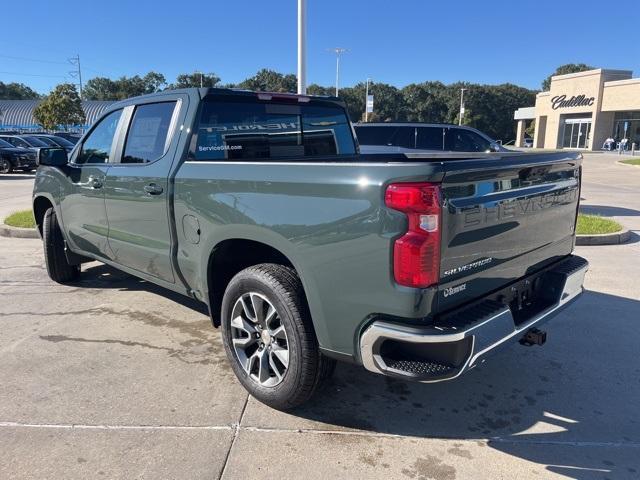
5	166
58	266
269	338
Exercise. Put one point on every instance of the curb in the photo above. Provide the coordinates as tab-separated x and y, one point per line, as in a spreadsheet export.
620	162
604	238
16	232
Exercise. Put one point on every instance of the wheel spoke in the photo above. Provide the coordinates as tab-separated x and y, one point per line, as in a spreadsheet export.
282	354
275	367
263	368
241	324
246	309
279	333
257	302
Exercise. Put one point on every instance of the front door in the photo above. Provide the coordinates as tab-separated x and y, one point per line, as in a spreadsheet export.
82	204
136	190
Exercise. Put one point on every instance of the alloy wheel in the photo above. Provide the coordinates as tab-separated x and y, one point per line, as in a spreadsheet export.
5	166
259	339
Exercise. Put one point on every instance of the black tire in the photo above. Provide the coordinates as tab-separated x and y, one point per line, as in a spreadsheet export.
5	166
58	267
307	368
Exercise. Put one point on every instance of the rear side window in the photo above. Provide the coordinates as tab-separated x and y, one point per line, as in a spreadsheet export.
237	130
430	138
461	140
147	139
388	136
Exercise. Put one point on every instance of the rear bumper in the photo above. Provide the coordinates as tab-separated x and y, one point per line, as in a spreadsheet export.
462	339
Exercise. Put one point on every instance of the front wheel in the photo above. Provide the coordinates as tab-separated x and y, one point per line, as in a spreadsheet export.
5	166
58	267
269	338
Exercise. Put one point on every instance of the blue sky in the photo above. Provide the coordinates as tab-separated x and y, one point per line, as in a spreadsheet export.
397	42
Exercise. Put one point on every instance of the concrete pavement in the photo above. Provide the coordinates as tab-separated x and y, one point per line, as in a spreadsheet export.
115	378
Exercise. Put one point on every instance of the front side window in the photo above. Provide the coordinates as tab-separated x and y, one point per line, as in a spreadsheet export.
147	137
17	142
238	130
97	146
388	136
461	140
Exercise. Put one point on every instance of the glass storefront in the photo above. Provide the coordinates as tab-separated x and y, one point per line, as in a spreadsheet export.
627	125
576	131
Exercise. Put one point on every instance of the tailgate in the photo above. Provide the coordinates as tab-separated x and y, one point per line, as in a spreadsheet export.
503	218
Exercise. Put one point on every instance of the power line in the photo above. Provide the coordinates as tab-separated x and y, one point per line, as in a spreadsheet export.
33	60
32	74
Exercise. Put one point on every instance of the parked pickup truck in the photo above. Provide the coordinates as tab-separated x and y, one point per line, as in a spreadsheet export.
305	251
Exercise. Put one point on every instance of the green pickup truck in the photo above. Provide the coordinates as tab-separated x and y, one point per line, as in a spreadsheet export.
305	251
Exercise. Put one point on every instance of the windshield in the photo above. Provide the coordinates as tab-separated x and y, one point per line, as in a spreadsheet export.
4	144
40	142
63	142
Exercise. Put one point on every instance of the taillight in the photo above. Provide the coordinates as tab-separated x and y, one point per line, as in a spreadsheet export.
416	255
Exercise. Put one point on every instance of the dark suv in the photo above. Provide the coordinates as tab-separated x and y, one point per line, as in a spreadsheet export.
12	158
423	137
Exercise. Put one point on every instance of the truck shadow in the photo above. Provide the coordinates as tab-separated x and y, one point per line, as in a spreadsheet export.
569	404
609	211
102	276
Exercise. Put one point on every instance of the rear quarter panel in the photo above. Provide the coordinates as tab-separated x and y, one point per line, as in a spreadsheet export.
328	219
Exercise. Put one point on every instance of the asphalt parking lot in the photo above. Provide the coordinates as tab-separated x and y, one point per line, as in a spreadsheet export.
113	377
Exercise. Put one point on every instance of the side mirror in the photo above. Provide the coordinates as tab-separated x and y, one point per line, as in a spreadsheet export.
495	147
53	157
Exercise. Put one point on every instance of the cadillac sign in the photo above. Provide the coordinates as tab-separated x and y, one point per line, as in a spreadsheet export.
561	101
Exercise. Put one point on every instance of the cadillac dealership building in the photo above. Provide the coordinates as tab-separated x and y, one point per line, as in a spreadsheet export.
583	110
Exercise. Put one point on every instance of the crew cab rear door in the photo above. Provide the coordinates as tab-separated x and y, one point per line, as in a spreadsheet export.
503	217
136	189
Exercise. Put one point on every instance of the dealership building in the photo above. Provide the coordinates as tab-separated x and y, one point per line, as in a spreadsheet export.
582	110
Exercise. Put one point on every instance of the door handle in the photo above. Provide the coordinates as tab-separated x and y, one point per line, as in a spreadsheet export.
153	189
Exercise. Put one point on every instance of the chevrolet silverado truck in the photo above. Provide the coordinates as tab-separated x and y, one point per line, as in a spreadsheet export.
305	251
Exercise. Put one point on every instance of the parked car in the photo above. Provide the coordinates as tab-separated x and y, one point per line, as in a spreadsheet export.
52	141
21	141
423	137
12	158
528	142
307	252
69	136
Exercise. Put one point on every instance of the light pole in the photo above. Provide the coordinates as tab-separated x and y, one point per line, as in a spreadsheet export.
302	47
338	51
366	101
461	106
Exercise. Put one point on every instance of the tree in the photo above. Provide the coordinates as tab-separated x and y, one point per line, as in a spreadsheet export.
61	107
16	91
271	81
563	70
196	79
426	102
103	88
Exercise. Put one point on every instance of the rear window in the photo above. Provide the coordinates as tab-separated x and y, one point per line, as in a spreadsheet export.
39	141
388	136
245	130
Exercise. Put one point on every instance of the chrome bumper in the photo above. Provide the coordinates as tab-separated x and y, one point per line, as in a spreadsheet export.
446	350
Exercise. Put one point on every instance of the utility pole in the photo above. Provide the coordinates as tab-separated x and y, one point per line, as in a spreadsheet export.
302	47
461	106
198	72
366	100
77	73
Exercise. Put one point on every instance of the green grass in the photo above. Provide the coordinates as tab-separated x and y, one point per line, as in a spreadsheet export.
631	161
594	224
22	219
